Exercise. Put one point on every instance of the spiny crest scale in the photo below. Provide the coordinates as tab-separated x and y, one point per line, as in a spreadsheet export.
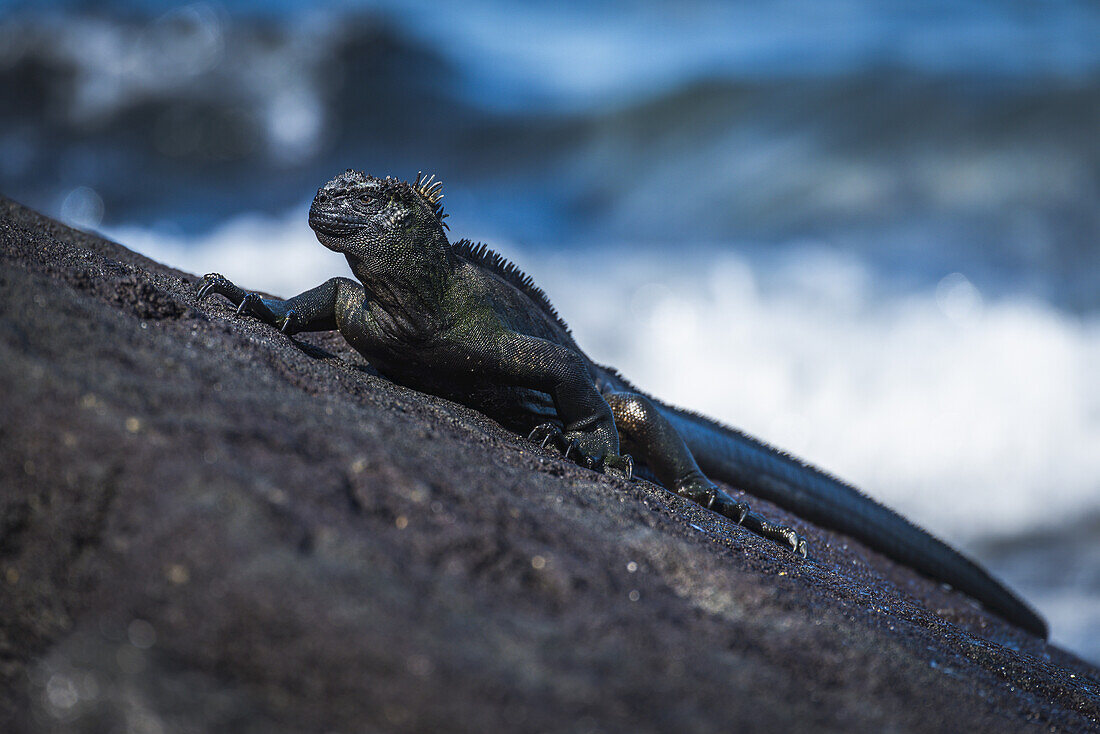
346	182
480	254
432	192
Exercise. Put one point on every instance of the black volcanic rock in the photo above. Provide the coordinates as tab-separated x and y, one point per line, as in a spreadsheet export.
206	526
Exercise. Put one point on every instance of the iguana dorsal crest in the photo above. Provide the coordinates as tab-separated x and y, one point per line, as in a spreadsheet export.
432	192
480	254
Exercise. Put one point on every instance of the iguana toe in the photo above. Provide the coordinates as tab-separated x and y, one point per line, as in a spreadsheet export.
248	304
549	435
621	466
545	434
290	323
785	536
210	282
727	506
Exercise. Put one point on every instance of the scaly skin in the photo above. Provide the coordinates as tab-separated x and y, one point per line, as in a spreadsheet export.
459	321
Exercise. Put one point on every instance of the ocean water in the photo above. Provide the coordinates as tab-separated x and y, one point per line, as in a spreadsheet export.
868	233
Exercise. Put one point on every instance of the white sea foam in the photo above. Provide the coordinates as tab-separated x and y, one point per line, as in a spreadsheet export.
275	255
977	417
968	415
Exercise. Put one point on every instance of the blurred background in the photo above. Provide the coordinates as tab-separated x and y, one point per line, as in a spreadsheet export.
868	232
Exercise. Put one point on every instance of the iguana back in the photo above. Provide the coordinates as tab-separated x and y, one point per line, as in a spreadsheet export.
745	462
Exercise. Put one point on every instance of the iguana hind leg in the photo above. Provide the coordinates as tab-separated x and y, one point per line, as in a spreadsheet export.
645	433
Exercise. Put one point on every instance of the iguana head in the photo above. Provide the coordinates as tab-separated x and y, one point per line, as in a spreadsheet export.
367	218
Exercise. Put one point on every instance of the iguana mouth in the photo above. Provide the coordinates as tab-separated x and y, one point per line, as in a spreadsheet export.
329	224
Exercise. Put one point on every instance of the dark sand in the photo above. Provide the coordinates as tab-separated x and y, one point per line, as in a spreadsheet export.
207	526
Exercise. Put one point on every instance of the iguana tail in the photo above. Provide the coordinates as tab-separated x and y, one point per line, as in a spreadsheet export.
747	463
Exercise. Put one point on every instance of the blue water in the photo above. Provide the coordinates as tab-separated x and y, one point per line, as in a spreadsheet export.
879	221
928	137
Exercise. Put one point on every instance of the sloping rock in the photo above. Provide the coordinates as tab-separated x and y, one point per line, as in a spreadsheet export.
206	526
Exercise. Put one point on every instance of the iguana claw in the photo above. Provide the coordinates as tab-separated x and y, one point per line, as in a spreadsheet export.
247	303
781	534
734	510
245	306
621	466
797	543
549	434
217	283
570	449
253	305
289	322
705	493
543	434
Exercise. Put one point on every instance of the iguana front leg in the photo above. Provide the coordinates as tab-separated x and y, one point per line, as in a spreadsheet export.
588	427
313	310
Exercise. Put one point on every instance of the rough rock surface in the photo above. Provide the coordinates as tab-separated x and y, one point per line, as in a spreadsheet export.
207	526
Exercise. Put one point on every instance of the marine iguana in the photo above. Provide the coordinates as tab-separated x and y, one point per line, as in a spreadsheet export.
459	321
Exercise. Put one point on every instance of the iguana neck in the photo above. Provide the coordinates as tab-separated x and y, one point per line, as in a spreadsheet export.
407	285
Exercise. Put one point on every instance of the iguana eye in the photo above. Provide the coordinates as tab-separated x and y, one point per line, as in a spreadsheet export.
365	199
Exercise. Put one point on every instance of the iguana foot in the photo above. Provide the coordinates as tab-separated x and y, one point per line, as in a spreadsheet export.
781	534
249	304
569	445
703	492
621	466
546	434
291	323
253	305
218	283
